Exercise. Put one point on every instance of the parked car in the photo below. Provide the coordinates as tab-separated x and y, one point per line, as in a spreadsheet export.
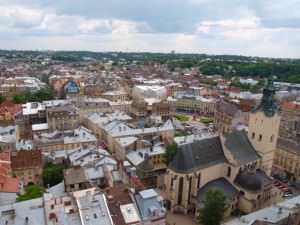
288	195
287	190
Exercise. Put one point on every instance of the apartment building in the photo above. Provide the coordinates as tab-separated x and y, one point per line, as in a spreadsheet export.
27	165
290	120
195	104
287	159
62	118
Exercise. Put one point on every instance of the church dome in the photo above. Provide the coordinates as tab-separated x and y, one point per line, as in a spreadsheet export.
249	180
72	87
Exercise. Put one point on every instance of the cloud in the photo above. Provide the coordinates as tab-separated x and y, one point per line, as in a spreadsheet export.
214	26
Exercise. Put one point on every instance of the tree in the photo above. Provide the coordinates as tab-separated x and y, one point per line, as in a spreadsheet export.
2	98
214	207
171	151
18	99
31	192
52	174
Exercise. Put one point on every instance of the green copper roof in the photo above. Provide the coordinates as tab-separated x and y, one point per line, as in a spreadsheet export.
268	104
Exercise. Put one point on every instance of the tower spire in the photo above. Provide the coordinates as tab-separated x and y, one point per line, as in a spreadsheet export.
268	104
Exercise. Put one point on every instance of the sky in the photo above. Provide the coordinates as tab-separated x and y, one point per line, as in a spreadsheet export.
267	28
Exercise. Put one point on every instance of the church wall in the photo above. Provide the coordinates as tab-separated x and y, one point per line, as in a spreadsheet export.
263	134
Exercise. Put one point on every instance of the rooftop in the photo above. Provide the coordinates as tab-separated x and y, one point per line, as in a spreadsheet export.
288	145
229	190
274	214
31	108
240	147
16	214
198	154
93	207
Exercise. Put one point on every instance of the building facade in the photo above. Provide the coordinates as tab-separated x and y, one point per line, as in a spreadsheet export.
63	118
290	121
27	165
287	160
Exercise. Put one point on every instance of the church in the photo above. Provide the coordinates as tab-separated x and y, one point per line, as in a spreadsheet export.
239	163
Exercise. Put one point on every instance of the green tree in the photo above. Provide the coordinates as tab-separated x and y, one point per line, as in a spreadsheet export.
31	192
171	151
19	99
206	120
214	207
52	174
2	98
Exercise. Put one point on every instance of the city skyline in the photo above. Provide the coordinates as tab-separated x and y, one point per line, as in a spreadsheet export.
254	28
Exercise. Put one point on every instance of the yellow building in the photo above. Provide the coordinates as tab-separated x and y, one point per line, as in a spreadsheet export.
287	159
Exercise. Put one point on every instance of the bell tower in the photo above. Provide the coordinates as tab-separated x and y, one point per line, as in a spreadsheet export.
263	128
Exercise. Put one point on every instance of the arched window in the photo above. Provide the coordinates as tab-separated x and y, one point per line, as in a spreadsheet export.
228	171
260	137
190	188
272	138
253	135
180	190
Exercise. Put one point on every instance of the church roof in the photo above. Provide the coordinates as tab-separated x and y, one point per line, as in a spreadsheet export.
249	180
206	152
252	180
221	183
197	155
239	145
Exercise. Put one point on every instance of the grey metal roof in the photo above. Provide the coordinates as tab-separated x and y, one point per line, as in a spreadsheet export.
288	145
229	190
252	181
265	180
249	180
239	145
197	155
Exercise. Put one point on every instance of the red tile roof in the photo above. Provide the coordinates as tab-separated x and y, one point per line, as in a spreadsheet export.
290	106
10	106
10	185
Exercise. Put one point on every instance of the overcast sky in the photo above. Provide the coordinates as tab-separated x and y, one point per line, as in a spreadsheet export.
243	27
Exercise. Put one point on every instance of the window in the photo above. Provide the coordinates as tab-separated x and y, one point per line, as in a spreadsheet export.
253	135
198	180
260	137
180	190
272	138
190	187
228	171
